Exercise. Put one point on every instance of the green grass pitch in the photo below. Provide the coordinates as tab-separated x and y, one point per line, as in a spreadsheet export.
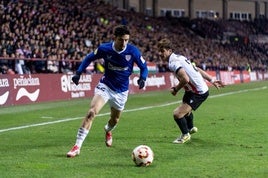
231	142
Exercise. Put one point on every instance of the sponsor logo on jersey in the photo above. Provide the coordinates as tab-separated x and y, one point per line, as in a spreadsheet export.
112	67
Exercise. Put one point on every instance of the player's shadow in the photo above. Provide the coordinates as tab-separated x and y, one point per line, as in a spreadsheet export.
124	153
203	143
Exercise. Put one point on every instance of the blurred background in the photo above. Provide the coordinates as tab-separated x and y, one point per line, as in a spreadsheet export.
53	36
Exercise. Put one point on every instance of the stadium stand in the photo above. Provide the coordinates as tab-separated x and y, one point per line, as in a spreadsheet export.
53	36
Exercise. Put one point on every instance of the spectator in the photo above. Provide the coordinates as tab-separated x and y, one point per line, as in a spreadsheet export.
41	26
6	70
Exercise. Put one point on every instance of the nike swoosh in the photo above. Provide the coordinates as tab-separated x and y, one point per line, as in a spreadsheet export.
23	92
3	98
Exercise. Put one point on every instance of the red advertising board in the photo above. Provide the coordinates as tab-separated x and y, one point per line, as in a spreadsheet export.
234	77
26	89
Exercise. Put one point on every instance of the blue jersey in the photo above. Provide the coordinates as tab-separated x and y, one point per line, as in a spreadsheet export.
118	65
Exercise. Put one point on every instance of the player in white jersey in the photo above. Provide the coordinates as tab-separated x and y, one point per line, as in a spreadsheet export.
191	78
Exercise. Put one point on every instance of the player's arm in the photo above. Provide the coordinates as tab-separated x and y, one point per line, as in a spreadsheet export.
183	80
205	75
86	61
143	75
143	71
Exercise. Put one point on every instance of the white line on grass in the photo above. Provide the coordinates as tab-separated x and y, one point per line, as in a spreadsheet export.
129	110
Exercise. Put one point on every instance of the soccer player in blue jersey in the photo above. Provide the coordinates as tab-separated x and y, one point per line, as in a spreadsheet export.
119	58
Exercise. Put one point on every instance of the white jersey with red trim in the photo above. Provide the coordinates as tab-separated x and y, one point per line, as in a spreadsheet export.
197	83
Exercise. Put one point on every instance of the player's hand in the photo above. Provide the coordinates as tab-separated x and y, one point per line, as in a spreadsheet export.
76	78
218	84
141	83
173	91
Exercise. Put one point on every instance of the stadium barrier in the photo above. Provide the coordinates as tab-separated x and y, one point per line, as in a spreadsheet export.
35	88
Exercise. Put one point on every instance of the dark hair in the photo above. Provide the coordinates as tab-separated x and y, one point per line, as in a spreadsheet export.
165	44
121	30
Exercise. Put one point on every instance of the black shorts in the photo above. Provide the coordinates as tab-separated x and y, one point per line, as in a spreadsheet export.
193	99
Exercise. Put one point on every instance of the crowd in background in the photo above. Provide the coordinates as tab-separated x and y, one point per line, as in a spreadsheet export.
53	37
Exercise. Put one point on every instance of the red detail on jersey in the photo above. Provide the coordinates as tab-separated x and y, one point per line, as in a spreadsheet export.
190	87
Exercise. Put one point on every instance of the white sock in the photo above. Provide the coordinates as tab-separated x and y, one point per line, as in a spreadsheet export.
81	135
108	128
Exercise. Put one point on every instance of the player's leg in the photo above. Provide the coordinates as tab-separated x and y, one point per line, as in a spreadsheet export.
117	102
97	103
179	117
189	118
111	124
194	100
190	123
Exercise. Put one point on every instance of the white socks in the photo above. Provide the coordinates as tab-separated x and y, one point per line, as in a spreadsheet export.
81	135
108	128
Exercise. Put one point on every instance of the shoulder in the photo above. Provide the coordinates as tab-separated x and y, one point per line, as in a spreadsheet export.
175	61
177	57
105	45
103	48
133	48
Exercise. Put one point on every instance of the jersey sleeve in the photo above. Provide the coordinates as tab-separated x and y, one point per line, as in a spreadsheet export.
174	65
140	61
88	59
176	62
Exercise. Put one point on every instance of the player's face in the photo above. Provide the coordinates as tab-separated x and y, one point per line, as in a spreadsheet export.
120	42
164	53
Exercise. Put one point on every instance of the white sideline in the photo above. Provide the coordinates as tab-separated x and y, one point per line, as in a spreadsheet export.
129	110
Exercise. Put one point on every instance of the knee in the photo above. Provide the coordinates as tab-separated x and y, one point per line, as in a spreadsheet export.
175	117
177	114
90	115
